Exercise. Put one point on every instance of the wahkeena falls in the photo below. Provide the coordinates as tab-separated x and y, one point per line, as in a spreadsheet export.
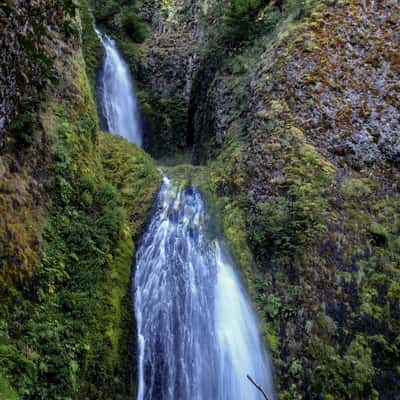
198	336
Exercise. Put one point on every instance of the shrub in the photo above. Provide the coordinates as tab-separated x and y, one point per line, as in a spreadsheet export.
134	27
379	234
240	20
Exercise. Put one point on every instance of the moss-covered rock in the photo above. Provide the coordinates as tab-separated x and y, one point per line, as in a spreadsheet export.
322	256
133	173
66	316
91	45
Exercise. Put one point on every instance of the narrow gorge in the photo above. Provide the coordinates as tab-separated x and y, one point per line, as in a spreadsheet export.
199	199
197	335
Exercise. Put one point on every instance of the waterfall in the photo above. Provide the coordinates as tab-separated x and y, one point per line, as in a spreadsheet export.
118	102
198	336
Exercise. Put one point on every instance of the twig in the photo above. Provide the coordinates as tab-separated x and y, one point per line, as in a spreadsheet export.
258	387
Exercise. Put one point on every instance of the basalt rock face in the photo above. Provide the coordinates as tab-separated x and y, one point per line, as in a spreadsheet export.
339	80
210	120
309	155
335	77
169	61
28	28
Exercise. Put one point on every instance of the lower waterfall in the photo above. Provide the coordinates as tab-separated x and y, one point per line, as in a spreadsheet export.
198	336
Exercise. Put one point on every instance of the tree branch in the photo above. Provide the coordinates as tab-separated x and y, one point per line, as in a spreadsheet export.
258	387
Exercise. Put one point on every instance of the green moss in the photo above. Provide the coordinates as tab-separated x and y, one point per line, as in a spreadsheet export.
91	45
69	335
344	376
379	234
119	18
166	120
134	27
131	55
133	173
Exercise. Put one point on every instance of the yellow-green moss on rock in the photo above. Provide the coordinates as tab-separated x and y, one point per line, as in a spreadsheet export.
69	330
135	175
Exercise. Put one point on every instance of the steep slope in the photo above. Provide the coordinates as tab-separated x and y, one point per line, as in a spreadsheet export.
66	231
306	120
291	108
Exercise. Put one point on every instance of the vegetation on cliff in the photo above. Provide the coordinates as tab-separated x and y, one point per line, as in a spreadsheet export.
66	319
301	154
289	106
302	173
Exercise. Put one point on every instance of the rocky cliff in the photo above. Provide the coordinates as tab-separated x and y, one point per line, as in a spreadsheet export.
66	236
297	129
290	111
307	122
169	61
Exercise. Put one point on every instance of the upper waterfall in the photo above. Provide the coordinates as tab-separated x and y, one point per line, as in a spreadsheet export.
118	102
198	335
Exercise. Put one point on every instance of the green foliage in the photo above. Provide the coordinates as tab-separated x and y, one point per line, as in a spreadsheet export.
15	368
347	376
286	224
134	27
22	128
299	8
6	391
273	306
131	54
166	115
379	234
71	338
91	45
241	20
135	175
283	226
104	10
84	241
120	18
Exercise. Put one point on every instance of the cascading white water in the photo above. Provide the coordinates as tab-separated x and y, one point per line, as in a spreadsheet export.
198	336
117	96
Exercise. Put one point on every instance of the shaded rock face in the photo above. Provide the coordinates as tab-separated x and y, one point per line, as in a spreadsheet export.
33	46
169	67
27	29
317	118
169	59
210	120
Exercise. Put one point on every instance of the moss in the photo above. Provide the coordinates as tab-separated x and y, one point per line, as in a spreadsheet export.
345	376
131	55
134	27
120	18
6	392
69	335
379	234
91	45
166	121
133	173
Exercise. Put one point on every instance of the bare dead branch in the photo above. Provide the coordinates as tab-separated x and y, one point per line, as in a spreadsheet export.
258	387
